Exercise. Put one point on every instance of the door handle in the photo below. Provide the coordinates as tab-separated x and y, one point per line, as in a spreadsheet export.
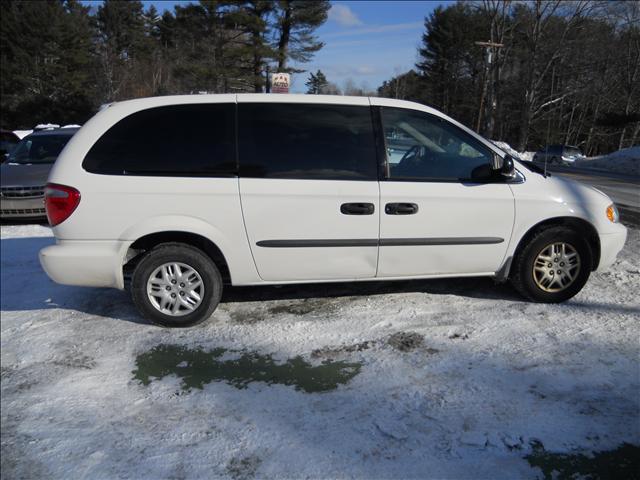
401	208
357	208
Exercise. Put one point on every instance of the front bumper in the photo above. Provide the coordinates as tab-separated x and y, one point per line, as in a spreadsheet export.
85	263
32	207
610	245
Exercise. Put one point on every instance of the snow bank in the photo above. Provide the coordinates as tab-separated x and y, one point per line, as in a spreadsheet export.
22	133
523	156
626	161
46	126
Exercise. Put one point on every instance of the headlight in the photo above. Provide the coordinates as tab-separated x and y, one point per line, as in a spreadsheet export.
612	213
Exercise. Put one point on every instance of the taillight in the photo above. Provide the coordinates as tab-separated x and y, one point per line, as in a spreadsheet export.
60	201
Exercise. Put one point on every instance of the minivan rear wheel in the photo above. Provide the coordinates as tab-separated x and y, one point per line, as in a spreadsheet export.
176	285
553	266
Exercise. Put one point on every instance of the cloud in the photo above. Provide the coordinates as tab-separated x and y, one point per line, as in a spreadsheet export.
394	27
350	43
343	15
341	71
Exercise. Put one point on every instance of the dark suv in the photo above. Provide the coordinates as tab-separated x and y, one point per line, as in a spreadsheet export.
24	173
558	154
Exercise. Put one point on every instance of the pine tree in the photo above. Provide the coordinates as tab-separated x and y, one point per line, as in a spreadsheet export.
258	28
316	83
295	24
45	48
121	47
450	63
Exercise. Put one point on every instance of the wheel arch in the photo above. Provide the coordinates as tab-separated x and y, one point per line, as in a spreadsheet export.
580	225
145	243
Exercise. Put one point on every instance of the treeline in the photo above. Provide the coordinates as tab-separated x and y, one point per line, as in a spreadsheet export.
61	59
547	72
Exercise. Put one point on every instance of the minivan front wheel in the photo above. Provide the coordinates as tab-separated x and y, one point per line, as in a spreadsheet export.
176	285
553	266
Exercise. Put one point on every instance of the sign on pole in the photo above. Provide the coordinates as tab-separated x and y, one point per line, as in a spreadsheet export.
280	82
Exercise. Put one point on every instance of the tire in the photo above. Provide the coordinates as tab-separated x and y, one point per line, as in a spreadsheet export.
531	283
182	307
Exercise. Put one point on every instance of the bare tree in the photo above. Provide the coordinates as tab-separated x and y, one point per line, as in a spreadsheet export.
543	54
501	26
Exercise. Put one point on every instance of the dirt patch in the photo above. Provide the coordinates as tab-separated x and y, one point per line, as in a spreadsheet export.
623	462
304	307
18	380
253	314
330	352
243	468
74	360
401	341
455	334
197	367
406	341
246	316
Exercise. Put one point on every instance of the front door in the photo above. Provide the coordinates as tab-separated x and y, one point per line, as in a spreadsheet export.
437	217
309	188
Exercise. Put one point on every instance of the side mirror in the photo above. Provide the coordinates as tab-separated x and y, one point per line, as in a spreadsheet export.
483	173
508	168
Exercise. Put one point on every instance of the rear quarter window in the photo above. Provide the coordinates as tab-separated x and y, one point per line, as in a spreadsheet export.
175	140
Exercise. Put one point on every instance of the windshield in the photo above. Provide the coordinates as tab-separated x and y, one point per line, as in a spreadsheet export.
38	149
8	141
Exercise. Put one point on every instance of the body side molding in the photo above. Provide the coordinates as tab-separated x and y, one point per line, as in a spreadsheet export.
383	242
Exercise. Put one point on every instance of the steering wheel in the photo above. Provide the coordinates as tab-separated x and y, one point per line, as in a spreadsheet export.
414	151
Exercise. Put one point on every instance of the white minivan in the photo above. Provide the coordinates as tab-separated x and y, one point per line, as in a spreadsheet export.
173	196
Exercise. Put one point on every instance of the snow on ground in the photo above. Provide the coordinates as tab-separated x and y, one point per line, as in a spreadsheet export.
493	375
625	161
524	156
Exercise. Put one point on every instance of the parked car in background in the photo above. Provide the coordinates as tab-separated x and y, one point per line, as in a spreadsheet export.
558	154
8	141
24	173
172	196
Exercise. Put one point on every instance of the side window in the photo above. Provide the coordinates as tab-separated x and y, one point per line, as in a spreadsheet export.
306	141
176	140
425	147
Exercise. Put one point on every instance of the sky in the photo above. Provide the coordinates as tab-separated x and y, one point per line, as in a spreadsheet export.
368	41
365	41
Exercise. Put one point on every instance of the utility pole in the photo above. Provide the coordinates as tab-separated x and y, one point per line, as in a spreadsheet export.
488	89
267	83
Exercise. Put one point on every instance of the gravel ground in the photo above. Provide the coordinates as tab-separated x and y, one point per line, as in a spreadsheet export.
439	379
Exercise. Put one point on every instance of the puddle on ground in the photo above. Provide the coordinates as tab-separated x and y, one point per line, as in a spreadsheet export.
623	462
197	367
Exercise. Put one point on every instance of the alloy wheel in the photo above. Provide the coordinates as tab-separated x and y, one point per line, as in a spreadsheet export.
556	267
175	289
